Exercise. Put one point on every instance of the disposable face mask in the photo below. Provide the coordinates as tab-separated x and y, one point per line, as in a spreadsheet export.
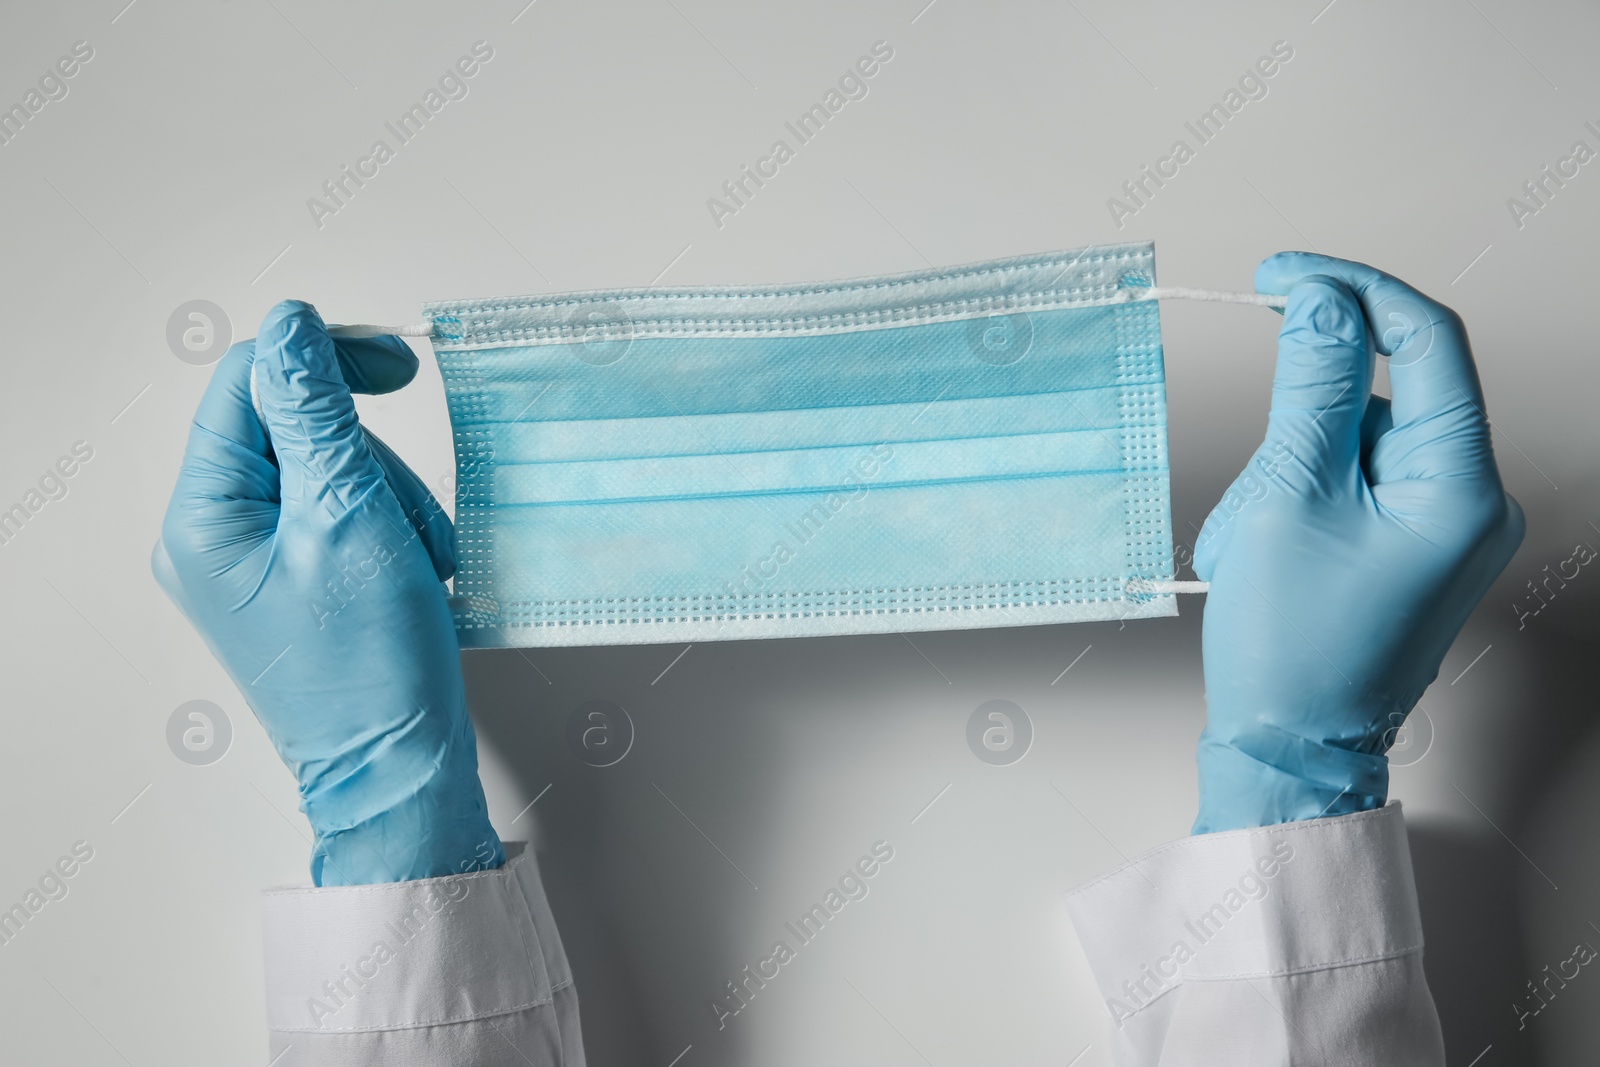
955	448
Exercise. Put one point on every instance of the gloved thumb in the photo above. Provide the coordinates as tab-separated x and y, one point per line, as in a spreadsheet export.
1323	380
310	415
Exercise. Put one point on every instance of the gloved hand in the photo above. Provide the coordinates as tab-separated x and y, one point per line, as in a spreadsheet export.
310	559
1347	556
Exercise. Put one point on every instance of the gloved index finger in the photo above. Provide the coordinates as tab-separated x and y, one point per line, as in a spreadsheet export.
228	410
1430	366
375	365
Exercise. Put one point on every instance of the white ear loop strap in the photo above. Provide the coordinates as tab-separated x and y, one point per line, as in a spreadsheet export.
1214	296
1162	587
411	329
1135	586
1167	587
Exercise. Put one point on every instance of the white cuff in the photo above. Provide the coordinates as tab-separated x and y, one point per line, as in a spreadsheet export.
441	958
1297	943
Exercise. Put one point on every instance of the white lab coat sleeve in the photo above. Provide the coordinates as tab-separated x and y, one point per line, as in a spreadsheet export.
464	970
1295	944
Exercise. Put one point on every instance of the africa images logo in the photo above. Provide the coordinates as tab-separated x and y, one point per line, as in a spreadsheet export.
1138	191
852	886
852	85
1153	980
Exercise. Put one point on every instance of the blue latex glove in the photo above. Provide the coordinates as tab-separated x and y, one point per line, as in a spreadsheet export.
1347	556
311	563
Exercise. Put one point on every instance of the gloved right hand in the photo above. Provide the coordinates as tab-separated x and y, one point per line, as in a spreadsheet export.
310	559
1348	555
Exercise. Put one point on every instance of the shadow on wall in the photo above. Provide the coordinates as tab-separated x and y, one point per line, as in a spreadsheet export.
1470	916
655	920
773	763
1498	913
629	891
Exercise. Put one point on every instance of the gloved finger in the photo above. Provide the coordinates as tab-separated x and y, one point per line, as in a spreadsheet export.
1430	367
1323	378
375	365
310	414
424	513
369	365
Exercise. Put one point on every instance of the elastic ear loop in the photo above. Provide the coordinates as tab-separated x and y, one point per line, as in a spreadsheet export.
412	329
1135	586
1168	587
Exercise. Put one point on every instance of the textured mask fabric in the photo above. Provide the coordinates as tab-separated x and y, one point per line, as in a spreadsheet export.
963	447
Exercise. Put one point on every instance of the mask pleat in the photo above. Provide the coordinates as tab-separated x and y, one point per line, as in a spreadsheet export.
974	447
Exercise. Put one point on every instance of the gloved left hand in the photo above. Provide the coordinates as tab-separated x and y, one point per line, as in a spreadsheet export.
310	559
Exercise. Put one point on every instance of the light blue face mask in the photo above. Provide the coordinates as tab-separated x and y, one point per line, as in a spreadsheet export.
965	447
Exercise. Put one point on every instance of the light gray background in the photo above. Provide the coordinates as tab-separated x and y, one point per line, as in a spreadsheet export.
178	168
